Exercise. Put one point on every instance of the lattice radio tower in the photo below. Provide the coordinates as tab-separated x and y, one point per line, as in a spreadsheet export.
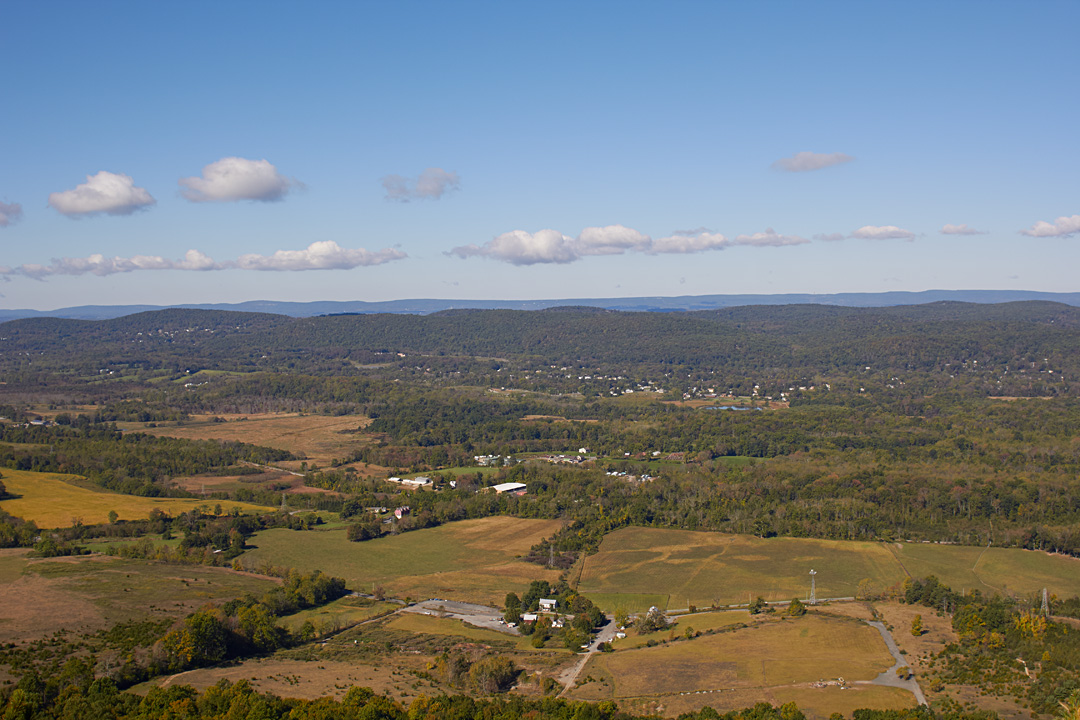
813	588
1046	603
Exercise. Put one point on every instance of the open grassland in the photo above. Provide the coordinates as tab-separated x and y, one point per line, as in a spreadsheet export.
316	437
340	613
636	565
39	597
472	560
1007	571
52	501
698	622
703	569
432	625
737	668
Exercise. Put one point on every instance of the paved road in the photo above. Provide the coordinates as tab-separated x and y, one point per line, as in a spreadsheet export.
479	615
889	677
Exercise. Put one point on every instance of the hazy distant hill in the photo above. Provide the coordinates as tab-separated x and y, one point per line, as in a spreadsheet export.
647	304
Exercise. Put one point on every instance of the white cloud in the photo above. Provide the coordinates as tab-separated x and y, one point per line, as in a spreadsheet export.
949	229
769	238
232	179
683	244
106	192
882	232
829	237
432	184
10	213
551	246
100	265
610	240
1062	227
323	255
518	247
806	161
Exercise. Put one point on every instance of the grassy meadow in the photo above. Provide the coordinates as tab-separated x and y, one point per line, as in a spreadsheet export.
319	438
39	597
471	560
52	500
638	567
772	658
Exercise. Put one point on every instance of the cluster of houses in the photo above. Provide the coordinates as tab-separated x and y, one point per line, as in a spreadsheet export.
493	460
548	606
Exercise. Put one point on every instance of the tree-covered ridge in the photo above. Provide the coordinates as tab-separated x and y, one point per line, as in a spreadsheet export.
1008	348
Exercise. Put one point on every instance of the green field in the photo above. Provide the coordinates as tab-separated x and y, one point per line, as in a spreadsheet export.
635	566
52	501
431	625
340	613
472	560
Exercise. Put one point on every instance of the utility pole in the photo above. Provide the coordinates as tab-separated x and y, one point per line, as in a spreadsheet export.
813	587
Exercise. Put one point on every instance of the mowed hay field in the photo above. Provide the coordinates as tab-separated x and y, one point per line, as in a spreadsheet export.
763	662
317	437
471	560
636	566
52	501
1007	571
703	569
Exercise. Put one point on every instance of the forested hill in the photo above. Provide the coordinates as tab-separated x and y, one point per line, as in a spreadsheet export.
800	338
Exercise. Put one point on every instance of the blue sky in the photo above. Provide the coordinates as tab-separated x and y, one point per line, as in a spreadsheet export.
220	152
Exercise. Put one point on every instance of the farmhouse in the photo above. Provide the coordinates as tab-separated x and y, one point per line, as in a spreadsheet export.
548	604
514	488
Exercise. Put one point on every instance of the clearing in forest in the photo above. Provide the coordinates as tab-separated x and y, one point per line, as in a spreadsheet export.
52	501
318	438
470	560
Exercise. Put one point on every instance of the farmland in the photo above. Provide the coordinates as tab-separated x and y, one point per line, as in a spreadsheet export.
636	567
766	661
472	560
52	500
319	438
38	597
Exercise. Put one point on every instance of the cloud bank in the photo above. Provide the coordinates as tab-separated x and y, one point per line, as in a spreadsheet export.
432	184
323	255
808	161
551	246
232	179
1062	227
105	193
960	230
10	213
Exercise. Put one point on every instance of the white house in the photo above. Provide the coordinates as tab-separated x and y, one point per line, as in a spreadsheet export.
548	605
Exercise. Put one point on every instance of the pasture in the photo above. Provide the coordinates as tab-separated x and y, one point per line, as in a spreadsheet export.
704	569
318	438
471	560
340	613
52	500
636	566
79	594
776	658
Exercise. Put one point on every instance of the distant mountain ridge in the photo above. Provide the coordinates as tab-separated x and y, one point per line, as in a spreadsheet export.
426	306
